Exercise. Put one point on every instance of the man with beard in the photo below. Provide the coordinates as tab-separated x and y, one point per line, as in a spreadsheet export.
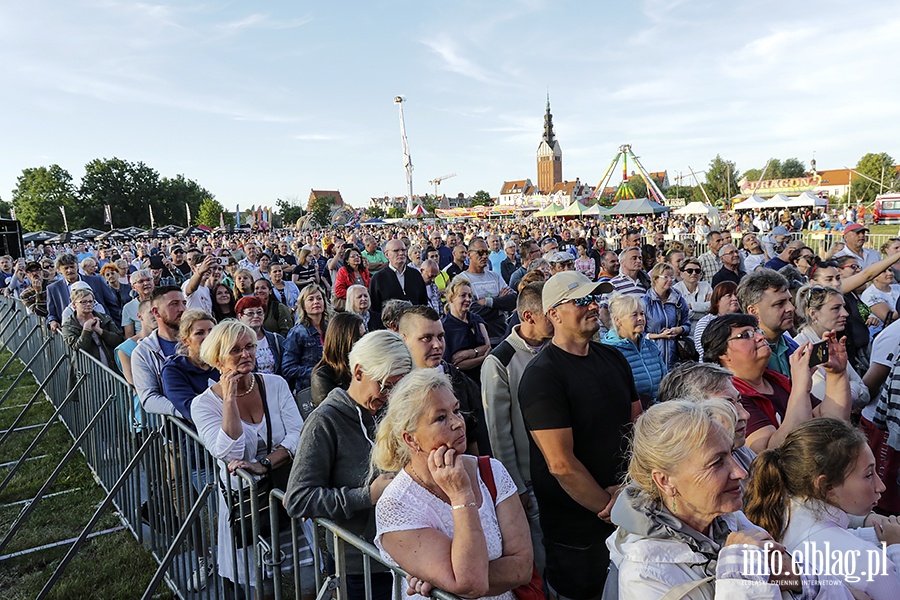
579	400
766	295
167	305
421	329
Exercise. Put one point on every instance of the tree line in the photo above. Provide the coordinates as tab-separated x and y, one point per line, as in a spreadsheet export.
131	189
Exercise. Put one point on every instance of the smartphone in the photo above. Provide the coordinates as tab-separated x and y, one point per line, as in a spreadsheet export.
221	261
818	354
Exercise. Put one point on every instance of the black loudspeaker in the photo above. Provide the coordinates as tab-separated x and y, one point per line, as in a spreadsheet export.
11	238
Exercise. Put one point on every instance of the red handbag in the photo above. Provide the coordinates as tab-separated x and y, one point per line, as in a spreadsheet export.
534	589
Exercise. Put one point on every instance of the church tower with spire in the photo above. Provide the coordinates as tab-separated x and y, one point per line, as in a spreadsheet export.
549	156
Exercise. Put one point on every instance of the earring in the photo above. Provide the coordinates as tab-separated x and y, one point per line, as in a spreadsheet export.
674	508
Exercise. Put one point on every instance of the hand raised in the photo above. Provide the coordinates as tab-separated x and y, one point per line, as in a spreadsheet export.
449	473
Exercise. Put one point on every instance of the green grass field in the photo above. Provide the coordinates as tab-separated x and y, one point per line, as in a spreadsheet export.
110	566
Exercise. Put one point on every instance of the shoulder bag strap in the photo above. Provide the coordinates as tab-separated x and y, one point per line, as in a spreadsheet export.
262	396
487	476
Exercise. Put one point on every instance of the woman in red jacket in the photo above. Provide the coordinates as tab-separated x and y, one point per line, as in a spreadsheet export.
352	273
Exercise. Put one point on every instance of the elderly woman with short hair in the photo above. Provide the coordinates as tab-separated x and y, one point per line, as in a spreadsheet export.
331	476
679	519
89	330
668	315
627	335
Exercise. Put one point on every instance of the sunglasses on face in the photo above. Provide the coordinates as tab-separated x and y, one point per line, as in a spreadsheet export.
481	252
691	271
585	300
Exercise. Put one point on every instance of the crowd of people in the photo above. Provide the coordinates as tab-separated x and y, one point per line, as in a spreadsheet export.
658	400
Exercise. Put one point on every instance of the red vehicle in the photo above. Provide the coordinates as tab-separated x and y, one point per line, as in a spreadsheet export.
887	209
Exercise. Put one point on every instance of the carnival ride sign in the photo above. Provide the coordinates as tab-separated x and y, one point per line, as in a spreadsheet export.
791	185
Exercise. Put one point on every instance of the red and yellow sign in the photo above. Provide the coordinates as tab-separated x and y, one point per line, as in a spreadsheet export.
770	187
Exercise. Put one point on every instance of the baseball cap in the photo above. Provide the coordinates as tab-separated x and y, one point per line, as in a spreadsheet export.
781	230
854	227
156	262
570	285
560	257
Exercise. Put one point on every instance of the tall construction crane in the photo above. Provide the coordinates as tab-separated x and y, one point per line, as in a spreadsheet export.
437	181
407	159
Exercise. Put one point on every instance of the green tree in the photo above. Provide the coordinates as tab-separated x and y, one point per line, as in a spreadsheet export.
208	213
395	212
792	167
288	211
431	203
321	210
375	212
38	195
482	198
174	194
721	179
128	188
638	186
874	174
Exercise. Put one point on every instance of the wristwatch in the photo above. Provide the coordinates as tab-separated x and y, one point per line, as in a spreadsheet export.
266	463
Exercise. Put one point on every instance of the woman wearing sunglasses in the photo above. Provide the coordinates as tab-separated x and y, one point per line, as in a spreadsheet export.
697	293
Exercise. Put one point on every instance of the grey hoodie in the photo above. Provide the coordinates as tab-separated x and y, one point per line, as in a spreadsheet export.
330	475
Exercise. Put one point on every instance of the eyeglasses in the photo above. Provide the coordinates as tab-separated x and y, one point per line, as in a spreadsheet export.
85	303
249	349
692	271
808	257
254	313
481	252
748	334
730	252
385	388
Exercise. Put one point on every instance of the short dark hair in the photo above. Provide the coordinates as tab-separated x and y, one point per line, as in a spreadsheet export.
393	310
159	292
720	291
715	336
753	286
66	259
420	310
530	298
711	234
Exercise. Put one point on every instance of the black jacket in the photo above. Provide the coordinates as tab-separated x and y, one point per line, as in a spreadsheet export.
385	286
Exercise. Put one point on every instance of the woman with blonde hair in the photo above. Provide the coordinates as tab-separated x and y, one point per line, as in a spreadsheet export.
438	519
248	421
304	343
185	375
358	302
331	478
465	333
243	283
681	532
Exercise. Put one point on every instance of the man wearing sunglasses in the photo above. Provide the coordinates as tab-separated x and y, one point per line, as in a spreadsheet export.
493	298
578	399
855	237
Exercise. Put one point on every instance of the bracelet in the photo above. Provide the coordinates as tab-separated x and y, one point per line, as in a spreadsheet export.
458	506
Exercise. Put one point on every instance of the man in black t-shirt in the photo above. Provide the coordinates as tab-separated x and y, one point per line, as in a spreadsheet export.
579	400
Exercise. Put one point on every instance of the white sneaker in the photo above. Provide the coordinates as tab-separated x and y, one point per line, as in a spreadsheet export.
200	577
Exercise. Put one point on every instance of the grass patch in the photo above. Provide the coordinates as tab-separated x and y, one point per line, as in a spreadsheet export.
111	566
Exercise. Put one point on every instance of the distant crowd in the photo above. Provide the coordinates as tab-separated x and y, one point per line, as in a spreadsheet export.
652	398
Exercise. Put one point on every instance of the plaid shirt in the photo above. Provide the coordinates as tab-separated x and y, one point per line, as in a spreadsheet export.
710	263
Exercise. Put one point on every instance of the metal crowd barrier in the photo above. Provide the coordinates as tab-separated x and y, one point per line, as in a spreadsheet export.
162	483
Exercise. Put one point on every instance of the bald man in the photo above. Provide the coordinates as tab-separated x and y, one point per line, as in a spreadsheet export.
396	282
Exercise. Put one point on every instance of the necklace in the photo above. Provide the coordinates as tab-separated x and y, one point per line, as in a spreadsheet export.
249	389
422	483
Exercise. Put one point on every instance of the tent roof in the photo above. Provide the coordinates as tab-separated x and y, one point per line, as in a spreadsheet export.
638	206
696	208
549	210
750	203
596	209
573	210
807	198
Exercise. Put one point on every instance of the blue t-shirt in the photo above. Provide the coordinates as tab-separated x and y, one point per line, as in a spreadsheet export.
167	347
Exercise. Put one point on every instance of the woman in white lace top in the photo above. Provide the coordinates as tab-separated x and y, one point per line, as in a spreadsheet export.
436	519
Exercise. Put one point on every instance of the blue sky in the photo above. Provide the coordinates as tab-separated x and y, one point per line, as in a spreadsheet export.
261	100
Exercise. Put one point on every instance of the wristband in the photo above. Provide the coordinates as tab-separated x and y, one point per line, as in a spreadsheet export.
459	506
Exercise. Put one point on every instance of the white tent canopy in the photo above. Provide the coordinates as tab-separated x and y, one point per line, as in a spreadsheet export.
807	198
750	203
777	201
696	208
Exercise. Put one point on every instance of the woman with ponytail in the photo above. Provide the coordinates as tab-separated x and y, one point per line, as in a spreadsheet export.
805	492
330	477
